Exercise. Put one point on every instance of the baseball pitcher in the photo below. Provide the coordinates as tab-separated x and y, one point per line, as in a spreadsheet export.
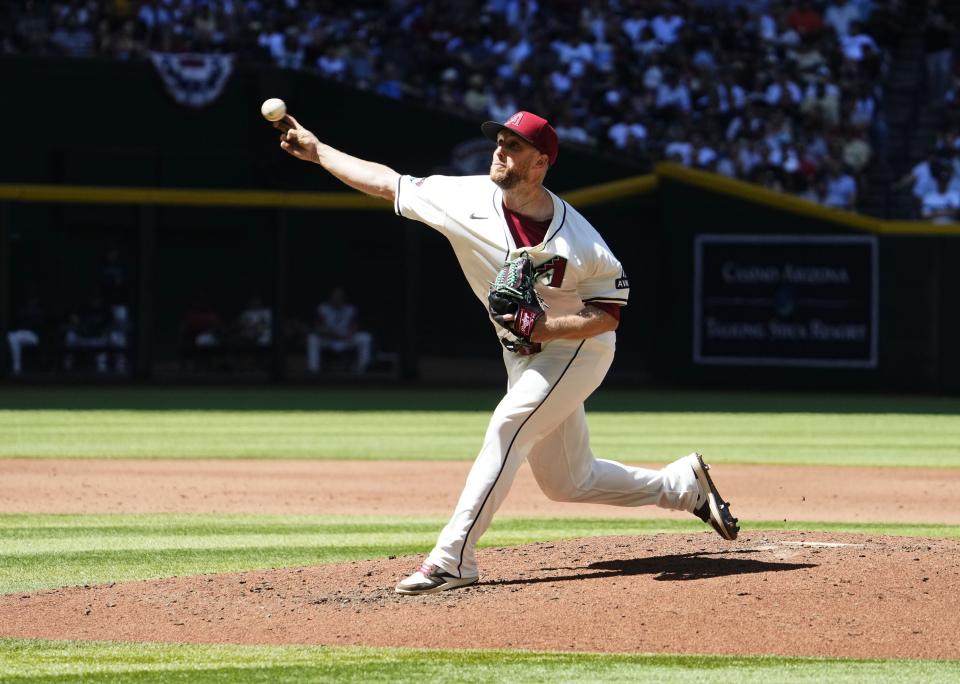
553	291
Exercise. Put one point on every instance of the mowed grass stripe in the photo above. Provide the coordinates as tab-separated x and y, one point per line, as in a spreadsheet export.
251	434
37	661
861	439
43	551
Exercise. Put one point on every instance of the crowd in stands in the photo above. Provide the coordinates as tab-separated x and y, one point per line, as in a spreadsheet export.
934	181
785	93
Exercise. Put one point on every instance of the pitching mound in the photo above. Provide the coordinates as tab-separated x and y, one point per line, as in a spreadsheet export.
767	593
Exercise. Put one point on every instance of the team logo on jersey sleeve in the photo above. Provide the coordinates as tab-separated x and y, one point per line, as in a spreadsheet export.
622	283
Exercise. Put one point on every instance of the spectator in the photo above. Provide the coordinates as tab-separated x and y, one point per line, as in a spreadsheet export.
568	130
93	328
332	64
271	39
863	110
202	326
731	97
604	54
666	26
254	326
628	133
653	75
291	53
805	19
390	86
822	102
857	153
360	64
920	179
815	191
115	282
746	157
679	149
784	35
839	15
501	106
27	324
938	33
477	98
783	91
703	154
725	164
648	44
841	188
517	51
857	45
335	329
127	44
941	204
673	96
73	37
634	25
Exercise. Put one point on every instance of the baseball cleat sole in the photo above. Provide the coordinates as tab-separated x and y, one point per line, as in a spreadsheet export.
714	510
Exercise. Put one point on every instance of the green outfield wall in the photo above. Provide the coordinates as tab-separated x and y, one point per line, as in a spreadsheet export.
202	203
774	290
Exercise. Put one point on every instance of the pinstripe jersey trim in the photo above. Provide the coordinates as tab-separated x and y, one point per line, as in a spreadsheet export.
563	220
614	300
506	455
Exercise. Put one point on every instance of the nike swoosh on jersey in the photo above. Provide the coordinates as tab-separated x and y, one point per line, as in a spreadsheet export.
477	216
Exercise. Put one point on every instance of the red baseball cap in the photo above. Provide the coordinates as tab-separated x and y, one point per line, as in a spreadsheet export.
532	128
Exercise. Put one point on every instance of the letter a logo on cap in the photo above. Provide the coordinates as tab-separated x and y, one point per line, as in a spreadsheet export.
532	128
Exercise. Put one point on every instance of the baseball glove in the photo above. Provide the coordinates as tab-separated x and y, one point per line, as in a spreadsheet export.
513	293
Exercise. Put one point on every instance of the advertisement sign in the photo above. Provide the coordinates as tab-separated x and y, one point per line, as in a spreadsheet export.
785	300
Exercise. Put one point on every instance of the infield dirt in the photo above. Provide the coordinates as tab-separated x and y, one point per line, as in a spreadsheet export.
788	593
768	593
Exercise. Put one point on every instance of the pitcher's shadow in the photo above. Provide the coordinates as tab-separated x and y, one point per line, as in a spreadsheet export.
671	568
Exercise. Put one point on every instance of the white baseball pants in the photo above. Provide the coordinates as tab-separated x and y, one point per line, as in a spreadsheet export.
361	341
18	339
541	419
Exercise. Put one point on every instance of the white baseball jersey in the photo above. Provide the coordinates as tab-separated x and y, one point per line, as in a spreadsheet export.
574	265
541	418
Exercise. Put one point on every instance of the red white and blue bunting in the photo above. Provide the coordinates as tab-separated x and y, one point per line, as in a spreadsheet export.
193	80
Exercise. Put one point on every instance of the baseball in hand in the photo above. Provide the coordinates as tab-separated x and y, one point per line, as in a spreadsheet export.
273	109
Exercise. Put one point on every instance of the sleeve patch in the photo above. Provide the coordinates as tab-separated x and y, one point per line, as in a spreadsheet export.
622	283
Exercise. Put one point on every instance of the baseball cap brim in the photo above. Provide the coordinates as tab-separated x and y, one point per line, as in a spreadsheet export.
492	128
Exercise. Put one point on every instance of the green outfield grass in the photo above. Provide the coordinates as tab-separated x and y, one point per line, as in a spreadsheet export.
43	661
370	423
44	550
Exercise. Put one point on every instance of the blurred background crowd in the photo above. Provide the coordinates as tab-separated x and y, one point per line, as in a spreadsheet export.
852	104
785	93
